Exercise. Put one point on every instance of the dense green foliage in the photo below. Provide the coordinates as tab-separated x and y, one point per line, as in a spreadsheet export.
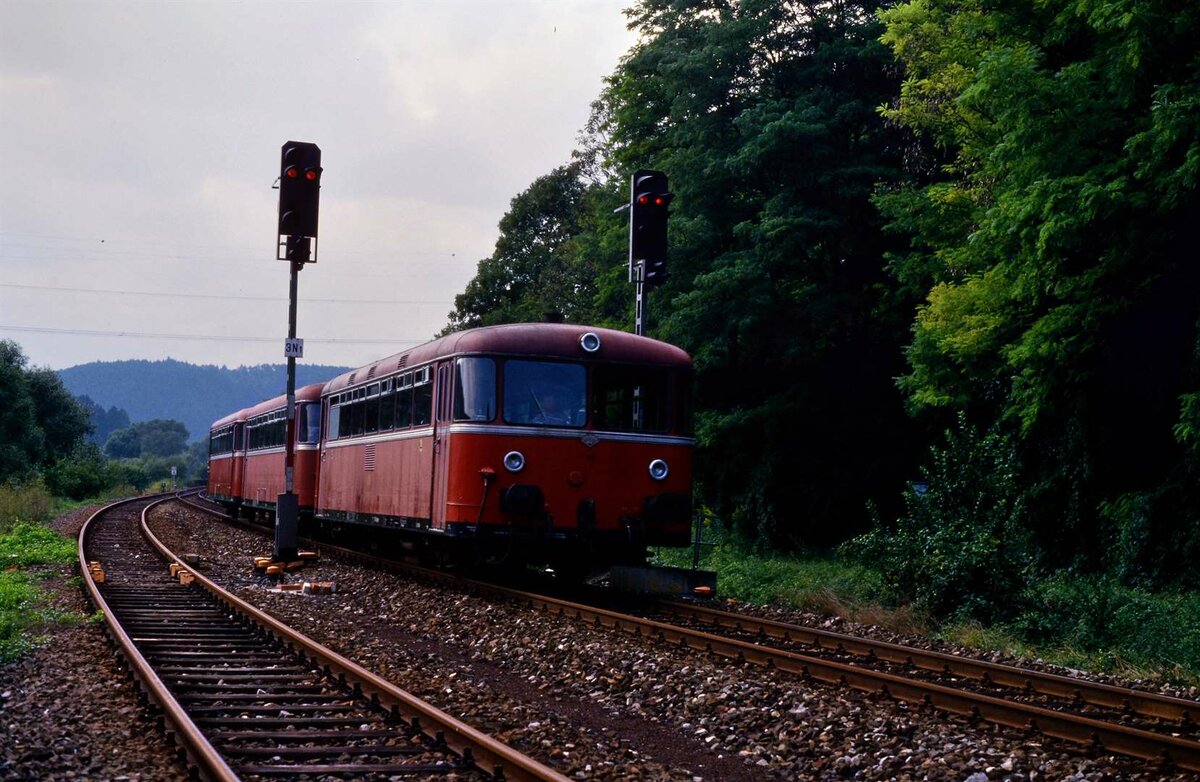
39	419
929	237
1063	291
525	277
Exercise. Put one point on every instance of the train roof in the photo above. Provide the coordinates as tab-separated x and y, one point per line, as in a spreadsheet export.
309	393
232	418
542	340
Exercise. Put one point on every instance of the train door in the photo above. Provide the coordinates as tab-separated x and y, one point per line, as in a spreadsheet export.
441	445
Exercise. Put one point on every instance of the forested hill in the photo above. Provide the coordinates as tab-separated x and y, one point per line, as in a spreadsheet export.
195	395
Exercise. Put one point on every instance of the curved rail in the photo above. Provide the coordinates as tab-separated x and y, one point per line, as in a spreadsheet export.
475	747
199	751
1121	739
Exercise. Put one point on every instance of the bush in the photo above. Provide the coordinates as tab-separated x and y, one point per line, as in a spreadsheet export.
961	551
33	544
83	474
28	502
1098	613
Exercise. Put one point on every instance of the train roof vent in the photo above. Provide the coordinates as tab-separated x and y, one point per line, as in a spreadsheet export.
400	364
371	372
351	379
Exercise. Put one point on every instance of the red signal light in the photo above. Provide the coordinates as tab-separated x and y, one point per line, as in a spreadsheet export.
660	201
643	200
312	174
291	172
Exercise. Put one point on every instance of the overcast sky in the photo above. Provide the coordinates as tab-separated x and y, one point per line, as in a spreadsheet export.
141	142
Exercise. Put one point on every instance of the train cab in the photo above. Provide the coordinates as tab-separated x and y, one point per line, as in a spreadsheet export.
551	442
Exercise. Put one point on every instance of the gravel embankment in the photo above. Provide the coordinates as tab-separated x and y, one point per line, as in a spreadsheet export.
598	704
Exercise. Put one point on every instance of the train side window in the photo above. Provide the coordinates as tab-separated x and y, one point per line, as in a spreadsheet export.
333	419
387	406
371	408
422	398
475	389
357	411
404	398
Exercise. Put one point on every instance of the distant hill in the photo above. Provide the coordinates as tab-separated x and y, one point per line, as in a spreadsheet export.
194	394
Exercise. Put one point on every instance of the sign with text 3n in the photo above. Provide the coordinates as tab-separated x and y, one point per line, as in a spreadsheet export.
293	348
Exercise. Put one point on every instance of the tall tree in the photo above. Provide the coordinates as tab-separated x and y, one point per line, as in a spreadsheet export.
763	114
1058	257
529	272
40	421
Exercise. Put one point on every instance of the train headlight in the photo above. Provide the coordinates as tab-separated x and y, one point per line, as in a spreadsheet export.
514	461
659	469
590	342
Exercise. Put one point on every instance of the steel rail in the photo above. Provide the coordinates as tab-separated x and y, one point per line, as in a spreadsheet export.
1147	704
465	740
1115	738
1121	739
199	751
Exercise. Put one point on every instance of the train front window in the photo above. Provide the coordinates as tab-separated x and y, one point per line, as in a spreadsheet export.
475	389
631	397
545	393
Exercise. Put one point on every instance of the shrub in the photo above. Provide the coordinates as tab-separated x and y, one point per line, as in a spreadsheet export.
1099	613
28	502
961	550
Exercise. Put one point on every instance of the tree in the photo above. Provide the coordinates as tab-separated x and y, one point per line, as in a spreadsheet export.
39	420
763	114
161	437
123	444
1063	295
104	422
527	274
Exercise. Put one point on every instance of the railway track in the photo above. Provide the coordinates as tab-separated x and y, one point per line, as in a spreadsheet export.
1083	712
246	697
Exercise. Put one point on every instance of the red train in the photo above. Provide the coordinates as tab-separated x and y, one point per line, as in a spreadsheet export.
546	443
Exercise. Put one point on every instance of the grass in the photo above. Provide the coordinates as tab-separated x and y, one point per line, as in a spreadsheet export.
1087	623
25	549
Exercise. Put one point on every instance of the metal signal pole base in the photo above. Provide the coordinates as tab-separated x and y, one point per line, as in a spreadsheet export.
287	527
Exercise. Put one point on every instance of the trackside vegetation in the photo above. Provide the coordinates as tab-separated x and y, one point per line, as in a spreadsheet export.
24	546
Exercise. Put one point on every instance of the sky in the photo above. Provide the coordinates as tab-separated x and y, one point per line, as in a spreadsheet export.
142	142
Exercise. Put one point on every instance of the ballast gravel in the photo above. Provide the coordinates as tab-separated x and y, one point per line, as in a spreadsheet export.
596	703
593	703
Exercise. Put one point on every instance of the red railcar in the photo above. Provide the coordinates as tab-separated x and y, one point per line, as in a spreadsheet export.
266	430
531	442
546	442
226	457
